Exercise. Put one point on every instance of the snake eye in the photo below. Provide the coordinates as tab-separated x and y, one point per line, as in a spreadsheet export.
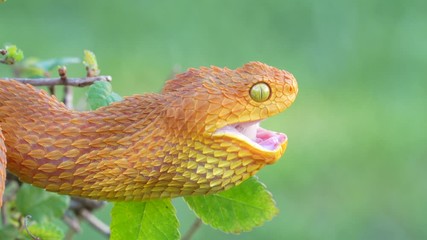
260	92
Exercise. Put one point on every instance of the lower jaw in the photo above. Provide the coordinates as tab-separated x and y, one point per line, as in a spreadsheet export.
278	153
257	154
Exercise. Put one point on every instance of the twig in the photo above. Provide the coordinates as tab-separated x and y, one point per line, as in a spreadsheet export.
52	90
73	225
3	52
77	82
26	219
83	207
68	91
79	203
193	229
62	71
12	185
68	96
4	220
95	222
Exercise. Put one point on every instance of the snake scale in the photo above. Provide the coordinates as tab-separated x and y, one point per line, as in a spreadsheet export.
200	135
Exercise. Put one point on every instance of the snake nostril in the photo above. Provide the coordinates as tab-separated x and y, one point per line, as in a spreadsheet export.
290	89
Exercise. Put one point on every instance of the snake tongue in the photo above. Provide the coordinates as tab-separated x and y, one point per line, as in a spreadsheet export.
252	133
268	139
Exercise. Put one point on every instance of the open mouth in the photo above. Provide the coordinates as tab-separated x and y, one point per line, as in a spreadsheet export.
253	134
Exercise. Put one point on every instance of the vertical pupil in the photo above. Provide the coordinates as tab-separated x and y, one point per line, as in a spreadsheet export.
260	92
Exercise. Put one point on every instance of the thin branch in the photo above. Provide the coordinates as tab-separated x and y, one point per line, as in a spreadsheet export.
95	222
73	223
68	91
12	188
77	82
73	226
79	203
4	220
52	90
62	71
193	229
26	220
68	97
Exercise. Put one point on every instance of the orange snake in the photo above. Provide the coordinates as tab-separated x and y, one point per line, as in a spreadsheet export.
200	135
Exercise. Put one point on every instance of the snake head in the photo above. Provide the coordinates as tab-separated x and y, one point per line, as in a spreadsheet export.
226	106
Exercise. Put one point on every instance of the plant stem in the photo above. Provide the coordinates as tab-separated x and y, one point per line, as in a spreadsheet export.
77	82
193	229
95	222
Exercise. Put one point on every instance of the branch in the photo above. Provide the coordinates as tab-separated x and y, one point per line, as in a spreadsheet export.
68	91
95	222
4	219
26	220
193	229
83	207
77	82
73	225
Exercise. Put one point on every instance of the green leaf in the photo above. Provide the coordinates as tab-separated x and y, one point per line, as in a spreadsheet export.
40	204
91	63
13	55
114	97
236	210
144	220
45	230
10	232
101	94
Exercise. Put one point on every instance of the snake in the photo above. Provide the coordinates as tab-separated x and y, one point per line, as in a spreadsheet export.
199	135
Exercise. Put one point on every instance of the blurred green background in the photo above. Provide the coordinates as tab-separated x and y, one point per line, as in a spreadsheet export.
356	163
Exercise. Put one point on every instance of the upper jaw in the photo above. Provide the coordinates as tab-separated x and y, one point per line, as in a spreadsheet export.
257	137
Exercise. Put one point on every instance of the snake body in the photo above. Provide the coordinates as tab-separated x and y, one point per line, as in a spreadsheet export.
200	135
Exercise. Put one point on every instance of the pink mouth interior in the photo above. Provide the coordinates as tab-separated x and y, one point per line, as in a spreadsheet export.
253	133
268	139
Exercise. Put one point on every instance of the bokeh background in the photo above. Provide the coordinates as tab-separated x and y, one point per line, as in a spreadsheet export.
356	163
